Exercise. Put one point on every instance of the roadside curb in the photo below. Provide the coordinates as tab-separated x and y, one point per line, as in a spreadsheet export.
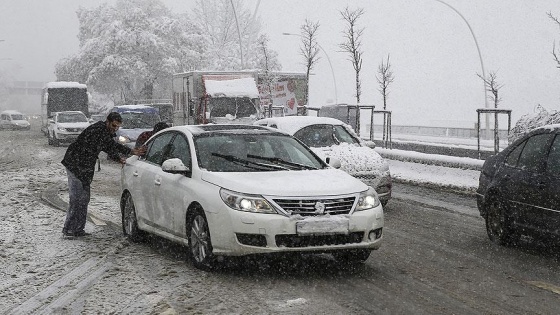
431	159
50	196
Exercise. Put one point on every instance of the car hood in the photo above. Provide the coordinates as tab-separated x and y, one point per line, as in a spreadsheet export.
82	125
355	159
20	122
131	134
287	183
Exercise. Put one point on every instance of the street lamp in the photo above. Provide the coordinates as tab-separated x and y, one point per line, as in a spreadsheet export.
330	64
479	56
238	33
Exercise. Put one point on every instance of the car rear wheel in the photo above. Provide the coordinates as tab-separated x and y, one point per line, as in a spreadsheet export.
498	227
130	222
354	256
200	244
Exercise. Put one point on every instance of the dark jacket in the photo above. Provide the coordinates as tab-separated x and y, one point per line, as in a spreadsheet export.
82	154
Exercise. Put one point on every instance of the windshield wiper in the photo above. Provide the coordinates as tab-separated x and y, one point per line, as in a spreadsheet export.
248	163
282	162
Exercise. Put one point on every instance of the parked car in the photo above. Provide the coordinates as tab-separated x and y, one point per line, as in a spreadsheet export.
136	119
11	119
330	137
233	190
519	188
97	117
65	127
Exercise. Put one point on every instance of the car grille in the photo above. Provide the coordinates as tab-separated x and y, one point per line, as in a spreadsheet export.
367	179
289	240
310	207
74	129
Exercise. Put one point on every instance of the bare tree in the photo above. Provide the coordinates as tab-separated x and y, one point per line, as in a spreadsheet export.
555	52
384	78
492	86
353	46
309	51
266	68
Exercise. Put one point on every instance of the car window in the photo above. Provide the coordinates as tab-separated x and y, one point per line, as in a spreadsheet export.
180	150
343	136
251	153
553	161
316	136
533	152
513	156
158	147
71	118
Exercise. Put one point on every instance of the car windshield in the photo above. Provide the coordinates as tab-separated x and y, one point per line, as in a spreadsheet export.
325	135
72	118
17	117
139	120
253	153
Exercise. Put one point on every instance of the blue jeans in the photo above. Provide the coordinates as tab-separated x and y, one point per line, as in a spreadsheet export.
77	206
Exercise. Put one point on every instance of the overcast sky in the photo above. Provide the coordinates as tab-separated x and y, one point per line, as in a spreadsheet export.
433	53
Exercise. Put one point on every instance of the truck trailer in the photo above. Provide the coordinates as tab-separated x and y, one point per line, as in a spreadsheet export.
236	96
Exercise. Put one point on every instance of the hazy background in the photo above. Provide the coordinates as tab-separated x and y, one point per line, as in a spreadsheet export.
433	54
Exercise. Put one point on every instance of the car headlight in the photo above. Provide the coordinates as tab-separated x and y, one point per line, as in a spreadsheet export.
248	203
61	128
368	199
123	139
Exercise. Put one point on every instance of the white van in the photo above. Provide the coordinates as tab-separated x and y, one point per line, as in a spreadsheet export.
11	119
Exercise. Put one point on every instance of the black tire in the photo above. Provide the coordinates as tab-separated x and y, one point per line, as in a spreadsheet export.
55	141
49	139
498	225
384	203
200	244
130	222
352	256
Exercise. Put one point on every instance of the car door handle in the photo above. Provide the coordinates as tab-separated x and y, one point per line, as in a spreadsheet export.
157	181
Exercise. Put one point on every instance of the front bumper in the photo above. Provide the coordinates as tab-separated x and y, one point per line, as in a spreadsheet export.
243	233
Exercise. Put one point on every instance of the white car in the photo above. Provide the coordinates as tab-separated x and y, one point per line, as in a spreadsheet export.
233	190
14	120
330	137
66	126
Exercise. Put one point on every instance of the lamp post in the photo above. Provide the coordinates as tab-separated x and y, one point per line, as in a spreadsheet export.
479	56
330	64
238	33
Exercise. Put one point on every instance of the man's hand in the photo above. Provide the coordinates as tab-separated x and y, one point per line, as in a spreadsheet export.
139	151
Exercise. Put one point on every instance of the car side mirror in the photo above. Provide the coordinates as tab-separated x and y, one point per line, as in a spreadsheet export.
51	121
369	143
333	162
175	166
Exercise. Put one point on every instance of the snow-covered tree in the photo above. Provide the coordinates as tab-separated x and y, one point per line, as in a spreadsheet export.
130	50
232	34
309	50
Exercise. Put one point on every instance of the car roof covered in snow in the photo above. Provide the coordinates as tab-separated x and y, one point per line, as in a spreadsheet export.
225	128
291	124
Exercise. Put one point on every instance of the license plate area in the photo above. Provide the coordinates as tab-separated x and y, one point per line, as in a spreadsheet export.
322	225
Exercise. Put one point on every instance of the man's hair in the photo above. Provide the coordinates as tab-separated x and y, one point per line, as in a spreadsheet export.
160	126
114	116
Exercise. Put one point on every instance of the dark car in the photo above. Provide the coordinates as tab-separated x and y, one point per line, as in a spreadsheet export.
519	188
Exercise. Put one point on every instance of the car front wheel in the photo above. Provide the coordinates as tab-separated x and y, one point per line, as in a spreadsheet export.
497	224
130	222
200	244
